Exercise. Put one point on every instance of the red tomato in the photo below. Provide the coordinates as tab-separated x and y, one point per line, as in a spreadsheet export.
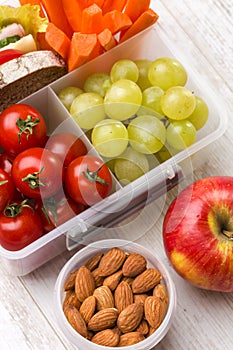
67	146
88	180
37	172
20	225
9	54
7	189
56	210
21	127
6	162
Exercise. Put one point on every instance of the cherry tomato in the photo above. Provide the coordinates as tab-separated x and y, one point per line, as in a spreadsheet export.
7	189
37	172
20	225
56	210
67	146
6	162
21	127
9	54
88	180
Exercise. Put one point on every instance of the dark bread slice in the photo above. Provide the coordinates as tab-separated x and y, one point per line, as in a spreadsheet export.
25	75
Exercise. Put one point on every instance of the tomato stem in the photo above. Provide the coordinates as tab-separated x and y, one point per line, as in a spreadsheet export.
3	182
33	179
14	209
92	176
26	126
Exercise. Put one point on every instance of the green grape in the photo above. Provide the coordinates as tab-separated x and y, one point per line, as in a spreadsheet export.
151	99
122	99
200	114
165	153
178	103
97	83
110	138
87	109
143	80
130	166
181	134
124	69
68	94
147	134
166	72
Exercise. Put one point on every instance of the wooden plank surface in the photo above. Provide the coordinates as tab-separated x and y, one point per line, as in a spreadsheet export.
203	32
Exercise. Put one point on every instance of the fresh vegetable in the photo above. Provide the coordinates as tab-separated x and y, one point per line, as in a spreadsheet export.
6	162
198	232
58	40
134	9
88	180
92	20
21	127
37	172
33	2
106	39
7	189
9	54
67	146
110	5
20	225
116	21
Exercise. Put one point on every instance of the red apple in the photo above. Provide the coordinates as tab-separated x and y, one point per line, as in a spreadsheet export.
198	233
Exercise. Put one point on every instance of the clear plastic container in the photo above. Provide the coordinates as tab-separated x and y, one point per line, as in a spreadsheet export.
80	259
150	44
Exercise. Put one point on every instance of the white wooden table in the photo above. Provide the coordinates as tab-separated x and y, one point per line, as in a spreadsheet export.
204	320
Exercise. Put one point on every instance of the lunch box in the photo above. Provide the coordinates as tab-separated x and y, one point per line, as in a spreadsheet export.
96	222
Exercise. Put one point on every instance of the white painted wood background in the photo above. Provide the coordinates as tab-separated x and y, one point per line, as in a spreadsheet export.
203	30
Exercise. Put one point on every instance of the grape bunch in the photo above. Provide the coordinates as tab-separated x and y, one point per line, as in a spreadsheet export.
139	109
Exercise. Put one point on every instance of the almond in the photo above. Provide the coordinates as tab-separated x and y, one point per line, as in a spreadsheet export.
87	309
154	311
161	292
143	327
103	319
70	281
84	283
130	318
93	262
107	337
97	278
147	280
134	265
130	338
71	299
75	319
112	261
104	297
123	296
139	298
113	280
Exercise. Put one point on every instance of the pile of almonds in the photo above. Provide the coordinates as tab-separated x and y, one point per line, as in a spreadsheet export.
115	299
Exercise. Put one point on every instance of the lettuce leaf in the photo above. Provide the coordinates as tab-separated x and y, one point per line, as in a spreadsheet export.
28	16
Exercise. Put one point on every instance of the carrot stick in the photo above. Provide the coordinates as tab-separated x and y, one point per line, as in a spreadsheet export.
57	16
135	8
87	3
92	20
42	42
106	39
73	11
58	40
33	2
146	19
116	21
83	47
110	5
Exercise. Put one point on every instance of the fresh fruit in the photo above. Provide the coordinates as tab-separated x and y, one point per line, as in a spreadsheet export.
166	72
143	80
151	98
124	69
197	233
200	114
96	82
68	94
122	99
181	134
110	137
147	134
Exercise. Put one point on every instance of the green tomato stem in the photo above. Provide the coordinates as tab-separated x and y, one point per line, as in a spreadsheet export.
92	176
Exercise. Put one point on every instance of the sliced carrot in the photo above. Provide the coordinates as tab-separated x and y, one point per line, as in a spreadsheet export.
87	3
83	48
116	21
106	39
134	9
56	15
110	5
33	2
58	40
42	42
146	19
92	20
73	11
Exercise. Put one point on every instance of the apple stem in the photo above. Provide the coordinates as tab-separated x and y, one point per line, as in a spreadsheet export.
229	234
